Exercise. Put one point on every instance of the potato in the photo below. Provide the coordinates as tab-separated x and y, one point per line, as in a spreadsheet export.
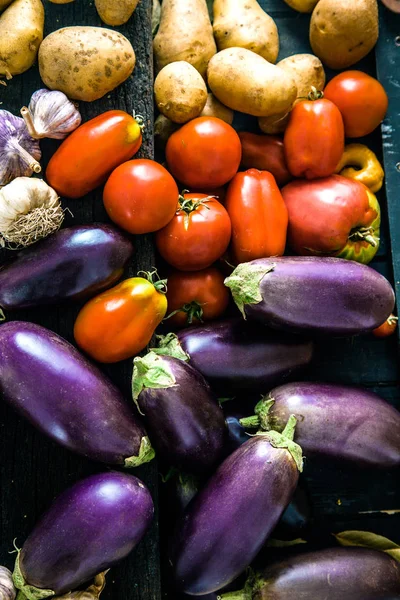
115	12
85	62
180	92
244	24
185	34
303	6
163	129
307	71
342	32
21	32
214	108
61	1
244	81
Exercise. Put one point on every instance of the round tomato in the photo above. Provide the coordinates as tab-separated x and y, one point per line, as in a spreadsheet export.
198	234
196	297
361	99
205	153
141	196
387	328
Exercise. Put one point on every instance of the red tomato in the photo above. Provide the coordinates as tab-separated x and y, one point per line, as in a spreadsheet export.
205	153
87	156
265	152
219	193
387	328
201	295
141	196
314	139
258	215
361	99
198	234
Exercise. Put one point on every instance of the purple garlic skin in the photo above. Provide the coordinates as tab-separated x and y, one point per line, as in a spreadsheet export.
51	114
19	153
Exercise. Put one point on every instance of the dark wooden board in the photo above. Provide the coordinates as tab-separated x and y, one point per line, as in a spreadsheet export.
32	469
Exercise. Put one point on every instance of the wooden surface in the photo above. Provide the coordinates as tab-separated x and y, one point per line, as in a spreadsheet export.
33	471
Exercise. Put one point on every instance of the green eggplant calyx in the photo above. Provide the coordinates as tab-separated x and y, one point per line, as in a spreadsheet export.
150	371
169	345
2	315
28	592
261	419
252	422
285	440
244	284
246	593
146	454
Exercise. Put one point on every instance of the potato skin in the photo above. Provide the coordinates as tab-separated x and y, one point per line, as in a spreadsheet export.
115	12
185	33
244	81
180	92
342	32
303	6
21	32
4	4
214	108
244	24
85	62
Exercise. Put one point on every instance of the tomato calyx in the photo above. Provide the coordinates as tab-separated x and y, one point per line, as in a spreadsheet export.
189	205
193	310
154	278
139	120
315	94
364	234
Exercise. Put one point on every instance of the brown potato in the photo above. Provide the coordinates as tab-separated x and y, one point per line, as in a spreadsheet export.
307	71
303	6
185	34
244	81
180	92
115	12
342	32
244	24
21	32
4	4
214	108
85	62
163	129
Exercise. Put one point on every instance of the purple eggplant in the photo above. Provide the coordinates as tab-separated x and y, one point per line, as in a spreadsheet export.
338	421
72	264
334	574
235	356
229	520
313	295
66	397
184	420
88	529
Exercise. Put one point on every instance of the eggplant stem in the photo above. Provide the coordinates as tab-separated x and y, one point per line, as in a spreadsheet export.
252	422
290	428
26	115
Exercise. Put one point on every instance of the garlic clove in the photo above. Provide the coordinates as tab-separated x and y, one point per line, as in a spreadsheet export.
29	211
7	589
50	114
19	153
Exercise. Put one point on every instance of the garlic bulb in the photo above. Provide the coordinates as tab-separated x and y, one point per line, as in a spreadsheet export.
29	210
7	589
50	114
92	593
19	153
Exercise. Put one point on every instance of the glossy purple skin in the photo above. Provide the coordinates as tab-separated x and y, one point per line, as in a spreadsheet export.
185	423
89	528
228	521
334	574
328	296
64	395
342	422
74	263
235	356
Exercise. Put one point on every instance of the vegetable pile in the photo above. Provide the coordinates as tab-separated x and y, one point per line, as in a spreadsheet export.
264	238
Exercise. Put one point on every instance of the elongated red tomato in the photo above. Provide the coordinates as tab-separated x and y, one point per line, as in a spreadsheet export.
314	139
86	157
196	296
387	328
258	215
197	236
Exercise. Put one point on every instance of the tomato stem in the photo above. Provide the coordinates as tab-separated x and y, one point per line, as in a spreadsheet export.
189	205
193	311
154	278
364	234
139	120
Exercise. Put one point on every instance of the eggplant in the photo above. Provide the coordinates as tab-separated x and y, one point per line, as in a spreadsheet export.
313	295
338	421
228	521
89	528
46	380
235	356
72	264
334	574
184	420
